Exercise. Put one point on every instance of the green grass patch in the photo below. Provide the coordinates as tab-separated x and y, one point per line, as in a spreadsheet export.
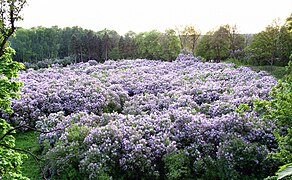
29	141
276	71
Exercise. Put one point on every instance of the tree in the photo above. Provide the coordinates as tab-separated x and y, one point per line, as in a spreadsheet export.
130	48
122	47
99	48
237	41
220	43
284	45
22	43
92	45
148	45
105	47
10	159
74	47
216	44
170	45
188	36
203	47
289	22
273	45
65	38
263	46
9	14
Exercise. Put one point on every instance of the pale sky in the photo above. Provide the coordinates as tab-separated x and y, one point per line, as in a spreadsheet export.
250	16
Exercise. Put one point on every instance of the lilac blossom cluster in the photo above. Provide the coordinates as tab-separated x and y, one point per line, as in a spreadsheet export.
51	90
135	145
126	116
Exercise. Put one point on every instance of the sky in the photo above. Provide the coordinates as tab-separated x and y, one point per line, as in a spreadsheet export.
250	16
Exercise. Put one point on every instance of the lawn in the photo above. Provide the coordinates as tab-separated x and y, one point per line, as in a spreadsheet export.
29	142
276	71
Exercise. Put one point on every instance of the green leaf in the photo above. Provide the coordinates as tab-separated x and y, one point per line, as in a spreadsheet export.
285	171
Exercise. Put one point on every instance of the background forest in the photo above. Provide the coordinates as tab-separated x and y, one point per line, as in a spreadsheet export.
39	47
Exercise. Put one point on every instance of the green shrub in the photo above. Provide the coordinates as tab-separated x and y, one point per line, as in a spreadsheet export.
279	109
10	160
64	159
178	166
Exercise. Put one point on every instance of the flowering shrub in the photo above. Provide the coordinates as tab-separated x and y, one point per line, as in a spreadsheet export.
61	89
132	119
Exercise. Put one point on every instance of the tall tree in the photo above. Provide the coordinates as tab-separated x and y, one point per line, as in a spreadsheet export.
289	22
130	48
10	13
236	40
74	47
284	46
122	47
225	42
192	35
148	45
170	45
105	47
204	48
10	159
90	45
263	48
188	36
220	43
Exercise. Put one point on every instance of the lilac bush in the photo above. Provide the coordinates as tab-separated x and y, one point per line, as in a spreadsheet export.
133	118
57	89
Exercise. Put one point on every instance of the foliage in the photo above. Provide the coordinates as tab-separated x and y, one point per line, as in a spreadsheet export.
203	47
289	22
285	171
8	87
38	44
188	37
9	13
279	109
170	45
263	46
271	46
129	119
284	46
10	159
156	45
28	141
63	160
177	165
223	43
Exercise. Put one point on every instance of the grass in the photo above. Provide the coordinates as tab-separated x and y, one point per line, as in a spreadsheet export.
276	71
28	141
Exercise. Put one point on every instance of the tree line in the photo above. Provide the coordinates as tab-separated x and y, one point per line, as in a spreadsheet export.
272	46
78	44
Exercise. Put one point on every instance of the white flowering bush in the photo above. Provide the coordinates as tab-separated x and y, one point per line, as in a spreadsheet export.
143	119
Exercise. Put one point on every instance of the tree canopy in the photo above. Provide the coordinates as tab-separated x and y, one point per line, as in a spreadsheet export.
10	159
